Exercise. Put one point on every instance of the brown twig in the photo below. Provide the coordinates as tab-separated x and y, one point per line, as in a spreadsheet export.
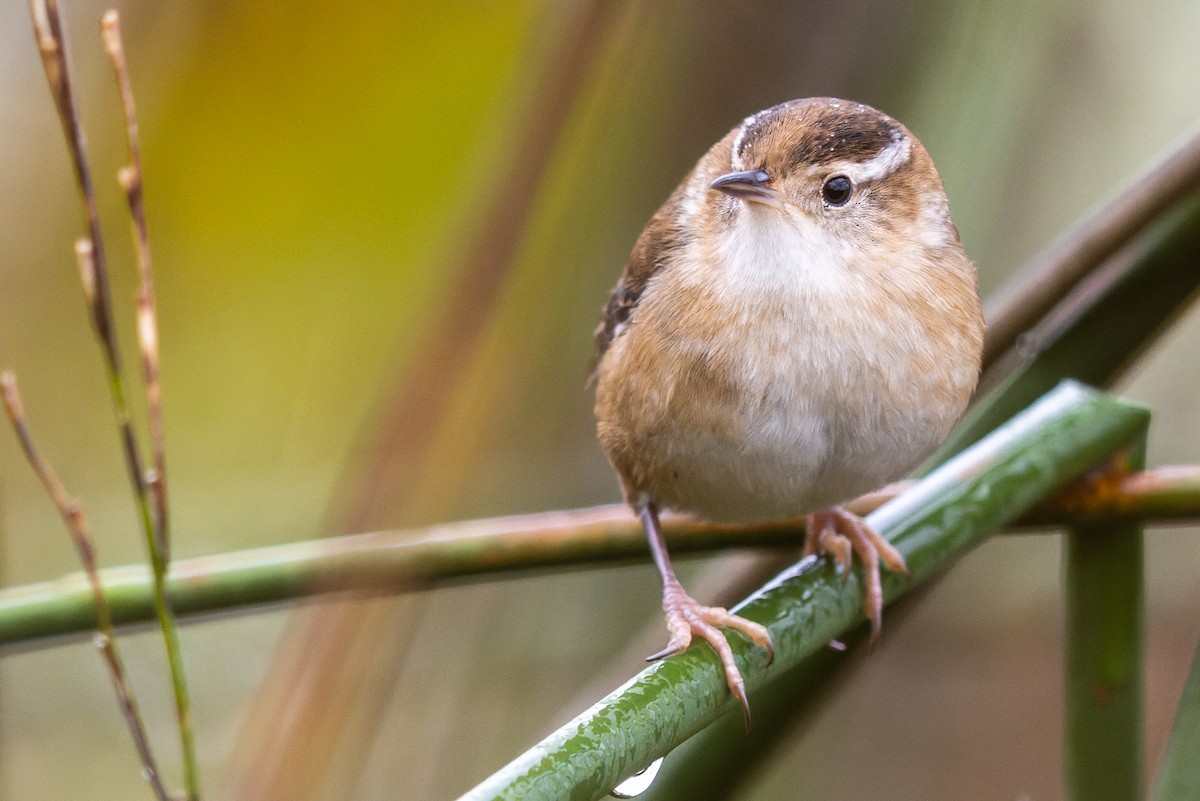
1051	274
73	516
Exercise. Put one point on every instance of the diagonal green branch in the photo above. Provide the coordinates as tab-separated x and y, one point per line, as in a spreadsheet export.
1026	300
1108	322
1058	439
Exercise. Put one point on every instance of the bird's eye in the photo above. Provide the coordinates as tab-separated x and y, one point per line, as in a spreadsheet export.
837	190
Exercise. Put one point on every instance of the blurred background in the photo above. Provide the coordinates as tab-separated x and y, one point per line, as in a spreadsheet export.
382	236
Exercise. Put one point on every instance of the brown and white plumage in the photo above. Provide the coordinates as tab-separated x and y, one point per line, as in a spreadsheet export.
769	353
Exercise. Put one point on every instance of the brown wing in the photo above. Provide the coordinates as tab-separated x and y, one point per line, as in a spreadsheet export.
661	237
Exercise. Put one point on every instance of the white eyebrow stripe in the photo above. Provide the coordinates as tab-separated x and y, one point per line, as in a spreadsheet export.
890	159
735	159
735	152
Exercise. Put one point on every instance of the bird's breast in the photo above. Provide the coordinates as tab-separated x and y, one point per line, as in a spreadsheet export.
742	400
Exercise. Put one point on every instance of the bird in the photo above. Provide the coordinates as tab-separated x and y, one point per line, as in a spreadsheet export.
798	324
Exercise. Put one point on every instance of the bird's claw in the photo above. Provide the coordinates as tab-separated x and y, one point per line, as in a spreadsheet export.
841	533
687	618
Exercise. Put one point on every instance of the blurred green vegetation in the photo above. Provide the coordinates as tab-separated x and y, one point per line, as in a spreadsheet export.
315	173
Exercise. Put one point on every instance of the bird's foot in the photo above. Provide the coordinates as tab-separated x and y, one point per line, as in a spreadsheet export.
841	533
687	618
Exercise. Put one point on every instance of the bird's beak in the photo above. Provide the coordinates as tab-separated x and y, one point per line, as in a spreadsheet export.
749	185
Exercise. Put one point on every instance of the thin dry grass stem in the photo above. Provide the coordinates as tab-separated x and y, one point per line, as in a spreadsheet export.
48	32
90	253
1051	274
153	480
85	258
130	178
76	521
149	486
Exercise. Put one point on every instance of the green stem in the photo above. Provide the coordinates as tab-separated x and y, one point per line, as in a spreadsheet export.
716	762
183	709
160	598
944	515
396	561
1104	584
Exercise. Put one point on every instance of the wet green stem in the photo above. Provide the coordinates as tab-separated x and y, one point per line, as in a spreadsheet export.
1056	440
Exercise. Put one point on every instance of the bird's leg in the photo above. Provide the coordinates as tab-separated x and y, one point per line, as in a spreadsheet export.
686	617
840	533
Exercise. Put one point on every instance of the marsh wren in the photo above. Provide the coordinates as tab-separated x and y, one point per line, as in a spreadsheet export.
797	325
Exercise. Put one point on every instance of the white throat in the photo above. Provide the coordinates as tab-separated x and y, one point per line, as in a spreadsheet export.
765	252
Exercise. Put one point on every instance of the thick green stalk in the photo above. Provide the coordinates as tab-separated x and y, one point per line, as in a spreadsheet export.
1103	752
1179	774
715	763
1056	440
